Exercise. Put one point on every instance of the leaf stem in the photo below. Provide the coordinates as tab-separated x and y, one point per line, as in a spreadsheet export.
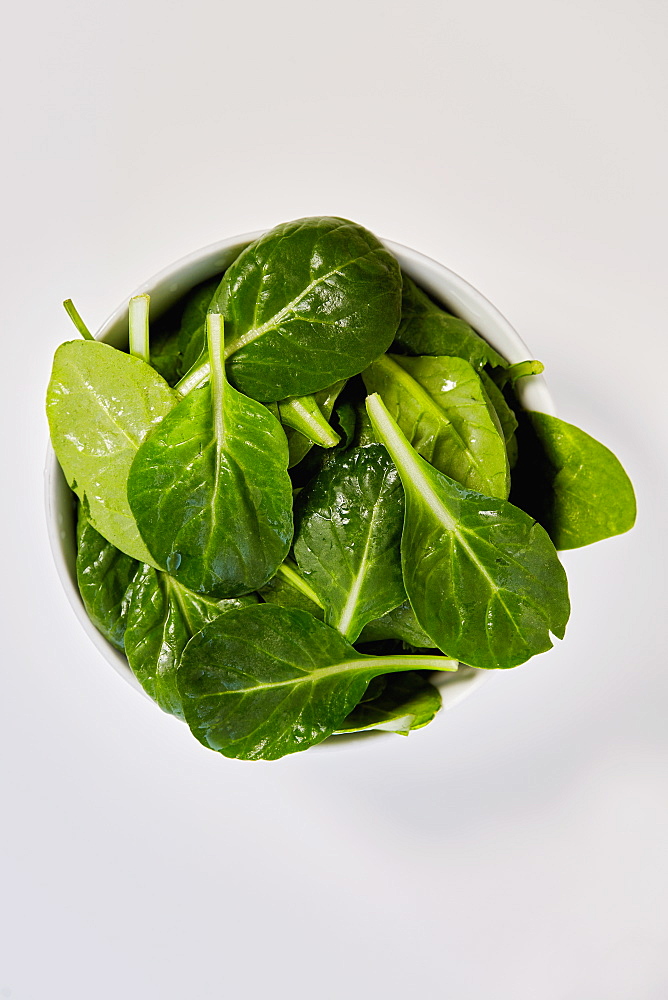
216	343
194	378
291	575
138	321
72	312
303	414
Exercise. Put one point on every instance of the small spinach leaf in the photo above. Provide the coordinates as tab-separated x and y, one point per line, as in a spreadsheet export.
101	404
289	590
162	616
407	701
425	328
266	681
482	576
311	302
505	416
400	623
347	538
571	483
210	488
192	329
441	407
104	574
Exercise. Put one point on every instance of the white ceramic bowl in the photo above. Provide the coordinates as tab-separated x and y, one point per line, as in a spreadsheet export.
170	285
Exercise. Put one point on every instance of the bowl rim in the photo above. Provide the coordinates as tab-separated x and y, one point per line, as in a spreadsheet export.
171	283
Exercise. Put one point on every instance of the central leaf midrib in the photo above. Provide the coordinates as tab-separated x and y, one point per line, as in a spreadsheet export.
370	665
348	611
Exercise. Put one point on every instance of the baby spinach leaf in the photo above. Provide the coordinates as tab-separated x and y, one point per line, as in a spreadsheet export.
571	483
482	576
101	404
166	356
104	574
505	415
162	616
407	701
441	407
267	681
192	329
289	590
309	303
299	444
400	623
347	538
425	328
210	488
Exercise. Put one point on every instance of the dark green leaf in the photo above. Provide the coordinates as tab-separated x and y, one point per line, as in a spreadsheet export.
104	574
425	328
505	415
211	492
571	483
347	538
166	356
101	404
441	407
311	302
289	590
400	623
266	681
408	701
162	616
303	432
482	576
192	330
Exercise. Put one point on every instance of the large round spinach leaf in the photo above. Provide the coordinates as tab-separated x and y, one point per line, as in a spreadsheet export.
311	302
266	681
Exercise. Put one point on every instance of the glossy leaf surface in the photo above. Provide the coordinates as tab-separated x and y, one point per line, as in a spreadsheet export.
192	329
482	576
266	681
348	532
101	405
443	410
425	328
104	574
400	623
311	302
162	616
211	492
407	701
572	483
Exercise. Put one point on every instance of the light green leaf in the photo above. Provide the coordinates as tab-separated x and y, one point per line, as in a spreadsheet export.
101	405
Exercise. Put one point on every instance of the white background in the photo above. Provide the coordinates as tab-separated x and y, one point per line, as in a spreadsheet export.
515	849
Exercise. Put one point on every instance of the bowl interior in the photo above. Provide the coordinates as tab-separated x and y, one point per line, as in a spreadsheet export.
166	288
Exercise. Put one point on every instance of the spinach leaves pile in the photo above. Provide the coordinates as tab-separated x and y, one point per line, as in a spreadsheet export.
310	488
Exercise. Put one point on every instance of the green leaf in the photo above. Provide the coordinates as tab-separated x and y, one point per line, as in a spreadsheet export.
162	616
104	574
571	483
400	623
441	407
192	329
507	420
425	328
266	681
482	576
408	701
289	590
211	492
166	356
347	538
311	302
101	405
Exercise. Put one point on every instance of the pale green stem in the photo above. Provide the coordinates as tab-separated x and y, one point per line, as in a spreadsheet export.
291	575
303	414
72	312
215	341
198	375
138	321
